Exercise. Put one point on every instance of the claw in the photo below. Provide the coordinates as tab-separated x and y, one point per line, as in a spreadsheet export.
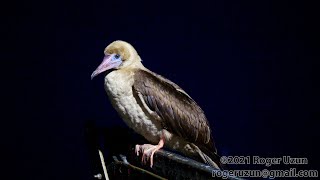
137	149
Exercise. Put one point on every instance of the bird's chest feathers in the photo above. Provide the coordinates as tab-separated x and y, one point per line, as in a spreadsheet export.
119	89
118	84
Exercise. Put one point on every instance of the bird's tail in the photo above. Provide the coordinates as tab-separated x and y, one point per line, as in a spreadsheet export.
213	161
208	157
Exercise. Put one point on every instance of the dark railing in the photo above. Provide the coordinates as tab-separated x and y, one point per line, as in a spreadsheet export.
167	165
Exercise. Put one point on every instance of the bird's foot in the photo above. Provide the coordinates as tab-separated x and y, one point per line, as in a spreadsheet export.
148	151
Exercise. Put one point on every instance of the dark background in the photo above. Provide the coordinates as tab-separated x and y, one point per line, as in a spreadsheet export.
249	65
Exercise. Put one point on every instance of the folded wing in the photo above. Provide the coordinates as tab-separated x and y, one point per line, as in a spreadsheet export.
177	111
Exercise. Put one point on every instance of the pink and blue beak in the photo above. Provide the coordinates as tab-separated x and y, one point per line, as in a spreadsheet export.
110	61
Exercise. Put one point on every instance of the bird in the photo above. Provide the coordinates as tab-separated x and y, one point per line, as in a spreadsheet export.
155	107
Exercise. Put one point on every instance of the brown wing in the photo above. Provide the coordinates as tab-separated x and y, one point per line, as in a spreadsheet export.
178	112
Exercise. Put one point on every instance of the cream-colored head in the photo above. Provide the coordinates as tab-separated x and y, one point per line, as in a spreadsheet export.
118	55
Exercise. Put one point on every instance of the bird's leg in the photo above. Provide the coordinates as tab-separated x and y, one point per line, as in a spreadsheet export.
148	150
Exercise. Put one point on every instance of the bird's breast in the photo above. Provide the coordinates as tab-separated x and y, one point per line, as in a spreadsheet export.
119	89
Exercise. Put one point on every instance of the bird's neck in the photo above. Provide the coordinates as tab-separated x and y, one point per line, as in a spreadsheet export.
137	65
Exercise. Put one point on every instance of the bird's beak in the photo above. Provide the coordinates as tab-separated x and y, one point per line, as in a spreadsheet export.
108	63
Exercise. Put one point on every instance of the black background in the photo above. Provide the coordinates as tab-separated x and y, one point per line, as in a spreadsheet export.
249	65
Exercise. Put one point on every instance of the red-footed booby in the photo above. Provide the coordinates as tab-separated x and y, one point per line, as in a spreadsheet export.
155	107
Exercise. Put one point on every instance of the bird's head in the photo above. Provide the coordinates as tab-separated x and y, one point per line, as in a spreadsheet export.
118	55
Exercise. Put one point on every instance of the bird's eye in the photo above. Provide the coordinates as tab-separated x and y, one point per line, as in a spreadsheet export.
117	56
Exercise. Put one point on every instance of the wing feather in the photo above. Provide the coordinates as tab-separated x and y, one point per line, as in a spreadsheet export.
178	112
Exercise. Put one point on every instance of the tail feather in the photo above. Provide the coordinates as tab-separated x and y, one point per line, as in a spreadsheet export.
214	162
208	157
